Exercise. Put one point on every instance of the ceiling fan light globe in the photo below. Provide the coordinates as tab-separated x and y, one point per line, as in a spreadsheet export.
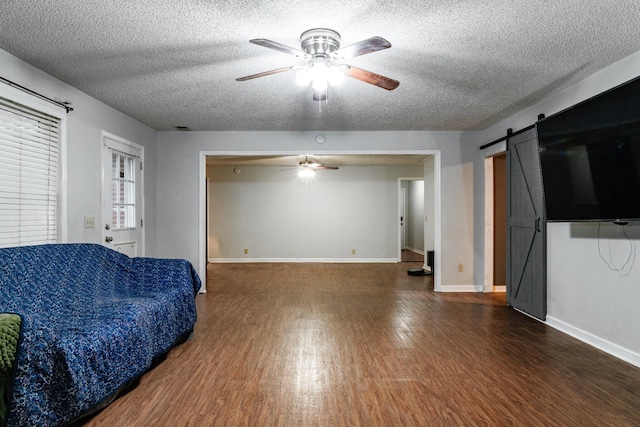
320	84
320	76
335	76
306	173
304	77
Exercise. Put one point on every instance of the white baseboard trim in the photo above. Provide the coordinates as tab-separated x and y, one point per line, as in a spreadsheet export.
319	260
460	288
418	251
595	341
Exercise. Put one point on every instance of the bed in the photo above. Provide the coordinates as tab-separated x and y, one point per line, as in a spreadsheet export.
91	321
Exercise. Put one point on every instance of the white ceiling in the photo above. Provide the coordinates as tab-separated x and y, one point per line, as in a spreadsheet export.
462	65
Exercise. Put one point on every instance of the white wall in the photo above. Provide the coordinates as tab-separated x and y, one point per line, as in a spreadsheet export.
178	182
83	148
585	297
276	215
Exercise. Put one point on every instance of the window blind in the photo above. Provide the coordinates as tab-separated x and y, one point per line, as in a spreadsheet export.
29	160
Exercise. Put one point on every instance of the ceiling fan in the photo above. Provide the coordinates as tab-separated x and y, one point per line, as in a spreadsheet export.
308	168
321	48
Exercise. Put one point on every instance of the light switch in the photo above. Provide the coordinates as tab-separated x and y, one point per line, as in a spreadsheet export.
89	222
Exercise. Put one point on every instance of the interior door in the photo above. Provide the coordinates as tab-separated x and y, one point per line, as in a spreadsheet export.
526	228
122	196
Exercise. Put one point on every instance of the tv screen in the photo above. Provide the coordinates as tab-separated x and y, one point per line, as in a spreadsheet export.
590	158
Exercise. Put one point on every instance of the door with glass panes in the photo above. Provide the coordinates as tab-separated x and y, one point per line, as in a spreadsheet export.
122	195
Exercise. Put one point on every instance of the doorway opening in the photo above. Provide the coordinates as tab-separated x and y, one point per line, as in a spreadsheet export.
122	198
411	203
495	279
434	168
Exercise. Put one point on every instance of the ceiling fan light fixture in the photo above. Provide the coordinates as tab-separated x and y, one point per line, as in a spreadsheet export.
336	75
306	173
321	49
321	74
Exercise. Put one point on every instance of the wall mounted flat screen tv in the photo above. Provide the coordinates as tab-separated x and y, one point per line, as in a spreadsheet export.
590	158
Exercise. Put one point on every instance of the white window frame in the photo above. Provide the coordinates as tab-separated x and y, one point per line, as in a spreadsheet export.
59	112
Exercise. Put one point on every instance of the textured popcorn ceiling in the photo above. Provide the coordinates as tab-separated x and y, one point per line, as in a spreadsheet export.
462	65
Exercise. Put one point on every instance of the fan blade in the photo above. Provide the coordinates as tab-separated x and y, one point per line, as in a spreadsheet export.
264	73
363	47
277	46
372	78
326	167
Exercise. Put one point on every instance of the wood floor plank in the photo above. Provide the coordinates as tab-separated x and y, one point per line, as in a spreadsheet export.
368	345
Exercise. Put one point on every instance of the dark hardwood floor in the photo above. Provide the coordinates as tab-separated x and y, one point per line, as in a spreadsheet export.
368	345
407	255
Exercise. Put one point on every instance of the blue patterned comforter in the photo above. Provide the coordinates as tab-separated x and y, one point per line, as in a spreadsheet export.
92	320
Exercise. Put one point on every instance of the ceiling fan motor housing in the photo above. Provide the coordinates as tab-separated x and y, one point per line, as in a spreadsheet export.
320	41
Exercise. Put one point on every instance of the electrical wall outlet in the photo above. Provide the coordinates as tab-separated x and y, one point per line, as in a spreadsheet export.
89	222
460	268
246	251
353	251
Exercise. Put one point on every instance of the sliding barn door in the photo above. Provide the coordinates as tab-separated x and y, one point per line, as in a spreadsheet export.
526	230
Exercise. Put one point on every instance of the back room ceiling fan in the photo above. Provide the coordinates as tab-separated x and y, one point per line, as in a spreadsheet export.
321	48
307	167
